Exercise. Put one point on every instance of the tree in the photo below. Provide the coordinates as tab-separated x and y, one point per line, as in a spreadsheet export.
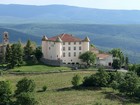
5	93
19	54
88	57
8	54
14	55
38	53
76	80
130	83
117	53
116	64
25	85
100	79
28	50
26	99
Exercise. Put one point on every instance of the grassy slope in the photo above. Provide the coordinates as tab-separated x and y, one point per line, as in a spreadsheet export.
39	68
57	95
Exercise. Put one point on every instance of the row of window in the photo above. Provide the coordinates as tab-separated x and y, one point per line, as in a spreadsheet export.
69	54
69	43
69	48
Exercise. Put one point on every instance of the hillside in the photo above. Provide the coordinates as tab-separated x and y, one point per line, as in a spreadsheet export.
14	36
66	14
104	37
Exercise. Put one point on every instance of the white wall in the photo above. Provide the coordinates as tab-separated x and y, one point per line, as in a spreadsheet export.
72	58
105	62
54	50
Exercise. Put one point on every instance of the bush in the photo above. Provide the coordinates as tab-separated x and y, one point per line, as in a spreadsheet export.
130	83
26	98
5	92
44	88
76	80
25	85
100	79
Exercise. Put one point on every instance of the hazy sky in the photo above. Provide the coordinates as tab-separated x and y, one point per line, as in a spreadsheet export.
106	4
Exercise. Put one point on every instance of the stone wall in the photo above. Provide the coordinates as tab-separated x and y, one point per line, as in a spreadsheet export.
52	62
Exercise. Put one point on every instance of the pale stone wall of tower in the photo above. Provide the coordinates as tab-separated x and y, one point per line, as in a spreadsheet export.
58	50
44	49
85	46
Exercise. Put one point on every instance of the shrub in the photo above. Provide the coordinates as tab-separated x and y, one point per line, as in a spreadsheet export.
44	88
100	79
76	80
25	85
129	84
115	85
26	98
5	92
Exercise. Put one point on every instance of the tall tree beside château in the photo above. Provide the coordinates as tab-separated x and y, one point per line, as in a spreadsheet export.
19	54
28	50
8	54
88	57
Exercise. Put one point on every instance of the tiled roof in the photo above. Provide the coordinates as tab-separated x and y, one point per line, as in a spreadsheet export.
102	56
94	50
66	38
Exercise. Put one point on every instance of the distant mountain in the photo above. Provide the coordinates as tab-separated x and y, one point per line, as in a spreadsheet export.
66	14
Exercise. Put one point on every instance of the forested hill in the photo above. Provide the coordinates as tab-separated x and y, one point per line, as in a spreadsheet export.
105	37
66	14
14	36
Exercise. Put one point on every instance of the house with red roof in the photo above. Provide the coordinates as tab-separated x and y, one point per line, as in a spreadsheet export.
63	49
102	59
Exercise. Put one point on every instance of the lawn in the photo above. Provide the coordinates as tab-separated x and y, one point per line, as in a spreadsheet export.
39	68
59	92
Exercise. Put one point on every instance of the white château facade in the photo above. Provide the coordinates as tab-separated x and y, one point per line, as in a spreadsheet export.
64	49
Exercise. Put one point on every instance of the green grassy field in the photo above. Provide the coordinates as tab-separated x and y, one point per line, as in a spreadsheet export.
39	68
59	92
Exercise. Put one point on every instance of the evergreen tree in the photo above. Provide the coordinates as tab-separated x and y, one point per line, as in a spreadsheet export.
38	53
8	54
28	50
19	54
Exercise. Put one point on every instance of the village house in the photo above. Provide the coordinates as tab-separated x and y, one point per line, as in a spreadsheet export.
66	48
102	59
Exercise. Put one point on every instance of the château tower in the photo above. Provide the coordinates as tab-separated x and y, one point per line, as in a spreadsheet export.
5	38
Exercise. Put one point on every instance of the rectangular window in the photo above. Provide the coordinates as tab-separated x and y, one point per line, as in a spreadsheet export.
63	48
79	53
79	42
69	43
64	55
63	43
74	48
80	48
68	48
74	53
74	43
49	48
69	54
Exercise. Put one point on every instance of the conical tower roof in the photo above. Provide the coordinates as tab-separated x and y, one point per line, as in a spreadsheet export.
58	39
86	39
44	38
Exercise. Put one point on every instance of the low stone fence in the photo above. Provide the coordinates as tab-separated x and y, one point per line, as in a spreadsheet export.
52	62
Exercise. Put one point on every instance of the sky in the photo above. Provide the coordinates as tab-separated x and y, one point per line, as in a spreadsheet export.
102	4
